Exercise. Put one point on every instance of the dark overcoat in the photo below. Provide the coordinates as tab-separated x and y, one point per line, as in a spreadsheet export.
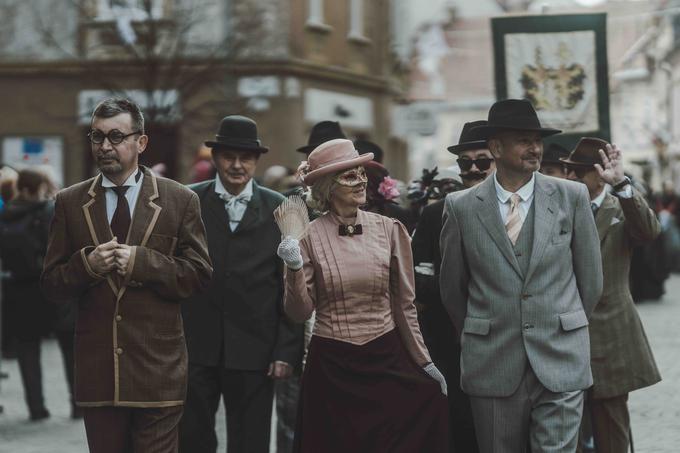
129	342
238	321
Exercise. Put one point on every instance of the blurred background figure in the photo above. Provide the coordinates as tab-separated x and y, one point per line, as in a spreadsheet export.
279	178
24	224
551	164
203	168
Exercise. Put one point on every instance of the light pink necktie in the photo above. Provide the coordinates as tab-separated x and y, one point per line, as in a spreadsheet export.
514	222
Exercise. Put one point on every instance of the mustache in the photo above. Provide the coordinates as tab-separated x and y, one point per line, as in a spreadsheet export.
107	156
536	156
473	175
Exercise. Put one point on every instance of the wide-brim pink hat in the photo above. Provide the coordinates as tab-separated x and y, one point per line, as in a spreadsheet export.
331	157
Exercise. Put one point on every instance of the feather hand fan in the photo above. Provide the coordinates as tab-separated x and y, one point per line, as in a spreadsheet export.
292	218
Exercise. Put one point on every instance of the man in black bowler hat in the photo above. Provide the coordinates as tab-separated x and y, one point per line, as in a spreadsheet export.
238	337
476	163
551	163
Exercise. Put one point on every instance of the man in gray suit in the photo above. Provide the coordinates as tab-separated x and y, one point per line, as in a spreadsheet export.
521	272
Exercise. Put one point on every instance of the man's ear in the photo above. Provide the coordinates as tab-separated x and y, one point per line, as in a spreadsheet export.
142	142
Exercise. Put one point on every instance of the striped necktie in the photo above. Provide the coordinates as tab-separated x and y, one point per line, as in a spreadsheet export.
514	222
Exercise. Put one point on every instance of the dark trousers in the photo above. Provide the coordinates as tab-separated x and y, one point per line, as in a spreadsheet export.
65	340
28	356
132	430
611	424
287	396
247	397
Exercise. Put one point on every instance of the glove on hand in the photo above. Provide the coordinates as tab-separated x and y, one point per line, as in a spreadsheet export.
437	376
289	252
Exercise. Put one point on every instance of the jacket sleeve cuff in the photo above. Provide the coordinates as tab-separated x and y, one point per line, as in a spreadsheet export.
83	254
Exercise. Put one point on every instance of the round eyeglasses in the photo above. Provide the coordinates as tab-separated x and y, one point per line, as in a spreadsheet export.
115	136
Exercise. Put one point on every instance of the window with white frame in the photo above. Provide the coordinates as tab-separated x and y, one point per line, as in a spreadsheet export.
315	16
133	9
356	19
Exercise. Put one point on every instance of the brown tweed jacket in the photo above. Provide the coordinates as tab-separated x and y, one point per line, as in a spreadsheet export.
129	346
621	359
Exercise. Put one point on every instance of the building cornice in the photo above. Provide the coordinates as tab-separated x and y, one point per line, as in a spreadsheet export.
282	67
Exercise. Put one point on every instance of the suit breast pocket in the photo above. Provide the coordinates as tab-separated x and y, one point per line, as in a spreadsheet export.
162	243
562	232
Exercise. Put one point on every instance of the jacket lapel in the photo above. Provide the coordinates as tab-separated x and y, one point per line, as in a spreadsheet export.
146	212
215	206
95	213
252	215
490	216
97	222
545	216
604	216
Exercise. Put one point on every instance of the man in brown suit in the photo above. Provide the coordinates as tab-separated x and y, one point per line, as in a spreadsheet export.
127	246
621	359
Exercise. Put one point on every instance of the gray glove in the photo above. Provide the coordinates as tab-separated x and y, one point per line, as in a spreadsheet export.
289	252
436	375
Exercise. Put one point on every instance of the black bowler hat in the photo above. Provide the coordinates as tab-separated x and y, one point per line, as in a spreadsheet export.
366	146
321	133
469	138
586	153
239	133
513	114
554	153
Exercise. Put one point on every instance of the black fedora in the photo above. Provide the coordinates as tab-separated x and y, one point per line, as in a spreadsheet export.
367	146
554	153
239	133
469	138
321	133
513	114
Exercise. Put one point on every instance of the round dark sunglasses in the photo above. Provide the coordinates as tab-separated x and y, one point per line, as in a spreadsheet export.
115	136
482	164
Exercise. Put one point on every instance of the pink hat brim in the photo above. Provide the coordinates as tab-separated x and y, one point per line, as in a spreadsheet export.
314	175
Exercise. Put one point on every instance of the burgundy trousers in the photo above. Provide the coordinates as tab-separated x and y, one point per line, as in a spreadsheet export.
132	430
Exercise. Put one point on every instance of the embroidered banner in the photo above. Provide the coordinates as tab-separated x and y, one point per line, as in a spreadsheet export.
559	63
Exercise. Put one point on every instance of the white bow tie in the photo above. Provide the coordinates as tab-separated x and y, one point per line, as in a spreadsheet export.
233	199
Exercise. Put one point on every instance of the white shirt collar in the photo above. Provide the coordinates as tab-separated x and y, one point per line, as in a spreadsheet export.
246	193
600	198
525	192
131	181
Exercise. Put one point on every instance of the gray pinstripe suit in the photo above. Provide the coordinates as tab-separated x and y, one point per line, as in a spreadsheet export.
525	346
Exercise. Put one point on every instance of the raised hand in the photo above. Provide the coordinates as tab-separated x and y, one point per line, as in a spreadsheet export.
611	171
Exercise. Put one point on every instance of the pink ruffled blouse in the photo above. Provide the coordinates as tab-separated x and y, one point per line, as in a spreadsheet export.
361	286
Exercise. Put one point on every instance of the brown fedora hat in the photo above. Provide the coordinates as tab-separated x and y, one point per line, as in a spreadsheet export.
586	153
331	157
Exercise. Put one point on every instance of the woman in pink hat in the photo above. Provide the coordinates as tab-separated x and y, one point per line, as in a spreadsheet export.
369	384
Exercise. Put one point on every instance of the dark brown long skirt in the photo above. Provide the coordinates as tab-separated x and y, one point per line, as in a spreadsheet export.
368	399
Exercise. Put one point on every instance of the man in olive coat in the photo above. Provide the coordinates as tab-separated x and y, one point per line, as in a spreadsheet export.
126	246
621	358
239	338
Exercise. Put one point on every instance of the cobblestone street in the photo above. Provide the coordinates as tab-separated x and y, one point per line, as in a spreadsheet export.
655	411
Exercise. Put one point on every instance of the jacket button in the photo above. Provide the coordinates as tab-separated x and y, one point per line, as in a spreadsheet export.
525	296
528	326
119	351
119	318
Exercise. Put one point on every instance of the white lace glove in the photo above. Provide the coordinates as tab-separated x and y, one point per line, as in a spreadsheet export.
289	252
436	375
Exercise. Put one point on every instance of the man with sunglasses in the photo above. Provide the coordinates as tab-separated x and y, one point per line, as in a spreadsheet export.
239	339
621	358
476	163
521	272
126	246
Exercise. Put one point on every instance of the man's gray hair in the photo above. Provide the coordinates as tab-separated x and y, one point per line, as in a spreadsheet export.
108	108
